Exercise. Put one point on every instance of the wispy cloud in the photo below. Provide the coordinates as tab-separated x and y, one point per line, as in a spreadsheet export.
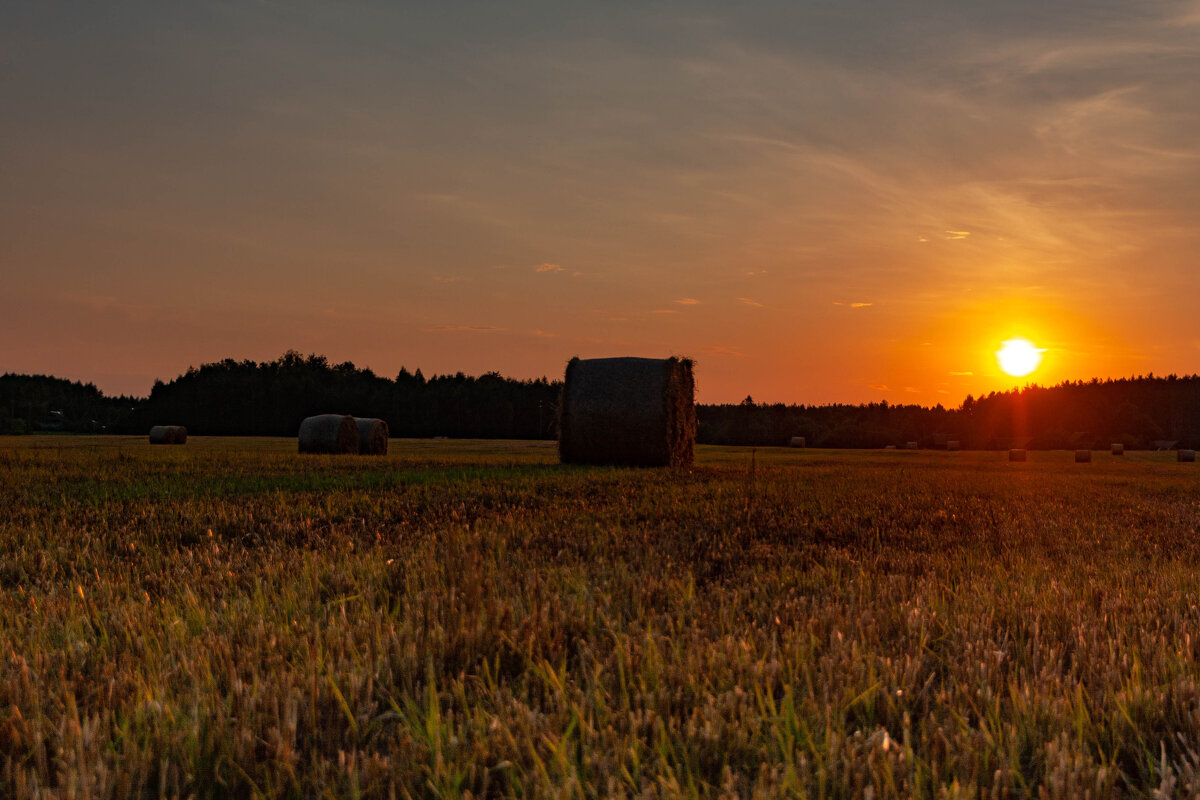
464	329
748	302
957	234
665	311
754	273
544	334
688	301
857	304
550	268
967	372
879	387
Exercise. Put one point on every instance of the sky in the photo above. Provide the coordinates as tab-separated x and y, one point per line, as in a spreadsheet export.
818	201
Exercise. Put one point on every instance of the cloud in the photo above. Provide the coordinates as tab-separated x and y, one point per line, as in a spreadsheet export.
664	311
549	268
720	350
747	301
544	334
911	389
464	329
879	387
858	304
967	372
754	273
957	234
688	301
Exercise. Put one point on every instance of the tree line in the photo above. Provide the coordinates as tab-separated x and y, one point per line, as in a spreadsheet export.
271	398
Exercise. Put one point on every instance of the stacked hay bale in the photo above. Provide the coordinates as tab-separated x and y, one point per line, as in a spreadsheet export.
890	447
1185	455
1118	449
372	436
911	445
952	445
168	434
1016	454
1083	456
329	433
797	441
632	411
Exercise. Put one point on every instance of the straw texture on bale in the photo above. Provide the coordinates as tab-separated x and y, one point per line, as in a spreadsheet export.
372	436
1016	454
329	433
168	434
911	445
797	441
632	411
1118	449
1185	455
1083	456
952	444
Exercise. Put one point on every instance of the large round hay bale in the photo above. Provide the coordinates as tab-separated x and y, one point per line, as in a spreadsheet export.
1185	455
911	445
329	433
1016	454
168	434
1083	456
952	444
1118	449
372	436
797	441
634	411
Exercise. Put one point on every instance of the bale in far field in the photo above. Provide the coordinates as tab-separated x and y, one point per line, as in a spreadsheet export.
1016	454
372	436
635	411
168	434
1118	449
1185	455
329	433
911	445
952	444
1083	456
797	441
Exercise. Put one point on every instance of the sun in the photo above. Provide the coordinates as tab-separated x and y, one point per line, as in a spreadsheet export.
1019	357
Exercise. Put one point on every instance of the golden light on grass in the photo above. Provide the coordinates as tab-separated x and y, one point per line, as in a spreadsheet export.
1018	357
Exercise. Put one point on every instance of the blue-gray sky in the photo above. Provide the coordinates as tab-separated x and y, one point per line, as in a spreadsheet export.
819	202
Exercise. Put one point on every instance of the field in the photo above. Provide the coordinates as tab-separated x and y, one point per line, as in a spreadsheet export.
230	619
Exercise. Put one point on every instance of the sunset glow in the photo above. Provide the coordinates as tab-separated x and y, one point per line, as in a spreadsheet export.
504	189
1019	357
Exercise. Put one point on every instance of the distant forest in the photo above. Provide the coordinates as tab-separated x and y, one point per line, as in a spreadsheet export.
270	398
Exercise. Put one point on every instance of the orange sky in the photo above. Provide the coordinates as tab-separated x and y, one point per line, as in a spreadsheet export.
842	204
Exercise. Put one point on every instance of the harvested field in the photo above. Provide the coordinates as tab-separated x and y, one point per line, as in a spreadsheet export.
233	619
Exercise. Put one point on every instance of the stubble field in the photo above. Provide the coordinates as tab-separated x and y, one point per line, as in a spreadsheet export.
231	619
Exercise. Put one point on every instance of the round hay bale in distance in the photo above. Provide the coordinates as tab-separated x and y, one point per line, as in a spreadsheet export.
911	445
628	411
1185	455
1118	449
952	444
168	434
1016	454
372	436
1083	456
796	441
329	433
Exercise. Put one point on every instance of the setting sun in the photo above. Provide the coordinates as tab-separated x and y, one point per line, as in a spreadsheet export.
1019	357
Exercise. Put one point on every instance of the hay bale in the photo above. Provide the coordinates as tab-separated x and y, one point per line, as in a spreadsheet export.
952	444
890	447
797	441
911	445
168	434
329	433
1185	455
1016	454
1083	456
372	436
1118	449
634	411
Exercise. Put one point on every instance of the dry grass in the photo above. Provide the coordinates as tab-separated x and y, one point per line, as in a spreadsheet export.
233	620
